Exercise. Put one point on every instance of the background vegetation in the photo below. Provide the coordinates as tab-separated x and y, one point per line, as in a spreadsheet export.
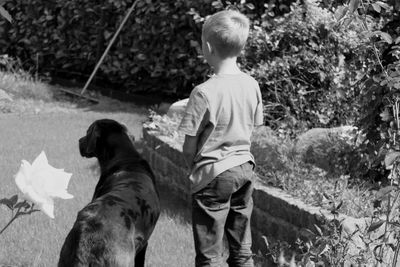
320	63
310	67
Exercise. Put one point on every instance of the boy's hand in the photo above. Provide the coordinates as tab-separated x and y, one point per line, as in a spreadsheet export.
190	149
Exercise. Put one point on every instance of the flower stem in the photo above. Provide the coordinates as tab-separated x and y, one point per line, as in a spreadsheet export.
8	224
16	215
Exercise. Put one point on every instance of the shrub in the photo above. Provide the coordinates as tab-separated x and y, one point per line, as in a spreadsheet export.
280	165
20	84
308	68
304	69
157	44
157	50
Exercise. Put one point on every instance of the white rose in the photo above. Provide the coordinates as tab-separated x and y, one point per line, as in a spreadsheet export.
40	183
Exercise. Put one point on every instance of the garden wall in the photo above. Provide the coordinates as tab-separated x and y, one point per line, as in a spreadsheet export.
276	215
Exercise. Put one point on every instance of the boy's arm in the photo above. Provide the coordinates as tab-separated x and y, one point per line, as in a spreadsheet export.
192	124
259	116
190	149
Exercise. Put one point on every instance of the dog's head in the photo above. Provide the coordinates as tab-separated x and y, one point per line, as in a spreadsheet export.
101	136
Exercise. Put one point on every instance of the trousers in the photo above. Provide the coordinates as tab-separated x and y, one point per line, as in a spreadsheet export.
223	208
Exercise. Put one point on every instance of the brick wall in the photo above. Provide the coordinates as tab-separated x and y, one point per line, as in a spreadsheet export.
276	214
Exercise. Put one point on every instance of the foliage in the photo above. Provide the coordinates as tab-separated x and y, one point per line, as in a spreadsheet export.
302	81
4	13
17	208
380	243
280	165
327	245
158	49
307	67
380	86
69	36
20	84
334	243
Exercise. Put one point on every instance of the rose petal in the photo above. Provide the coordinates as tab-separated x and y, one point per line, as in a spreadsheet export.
48	208
40	161
22	176
41	182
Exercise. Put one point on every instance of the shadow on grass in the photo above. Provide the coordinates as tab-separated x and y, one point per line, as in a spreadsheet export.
94	101
173	205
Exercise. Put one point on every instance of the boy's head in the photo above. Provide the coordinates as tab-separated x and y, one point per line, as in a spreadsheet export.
226	32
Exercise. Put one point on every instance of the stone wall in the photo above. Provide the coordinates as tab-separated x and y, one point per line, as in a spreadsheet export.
276	215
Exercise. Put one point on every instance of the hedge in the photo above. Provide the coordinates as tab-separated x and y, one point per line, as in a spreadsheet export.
158	48
303	63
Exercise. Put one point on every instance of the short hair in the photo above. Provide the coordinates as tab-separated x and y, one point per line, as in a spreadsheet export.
227	31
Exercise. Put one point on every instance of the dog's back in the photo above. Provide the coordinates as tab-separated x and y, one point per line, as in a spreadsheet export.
113	229
95	240
115	225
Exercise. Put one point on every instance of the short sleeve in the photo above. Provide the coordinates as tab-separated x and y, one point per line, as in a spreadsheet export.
259	114
194	113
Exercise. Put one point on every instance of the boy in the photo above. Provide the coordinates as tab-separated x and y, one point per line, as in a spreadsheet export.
218	121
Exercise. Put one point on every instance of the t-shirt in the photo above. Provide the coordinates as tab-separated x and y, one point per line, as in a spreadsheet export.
222	112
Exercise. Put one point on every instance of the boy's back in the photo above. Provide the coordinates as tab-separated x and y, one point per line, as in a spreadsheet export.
224	109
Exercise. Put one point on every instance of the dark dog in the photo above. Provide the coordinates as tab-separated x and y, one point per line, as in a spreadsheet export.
114	228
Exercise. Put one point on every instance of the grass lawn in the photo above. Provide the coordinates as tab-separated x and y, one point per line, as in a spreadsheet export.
40	118
36	240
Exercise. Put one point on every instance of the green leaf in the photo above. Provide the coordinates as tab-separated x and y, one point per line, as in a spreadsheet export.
385	115
384	35
141	56
5	14
318	230
14	199
328	197
375	226
217	4
340	12
391	157
377	7
347	21
339	205
353	5
7	203
384	192
250	6
383	5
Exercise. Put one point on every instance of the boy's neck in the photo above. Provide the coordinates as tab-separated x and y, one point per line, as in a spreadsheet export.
226	66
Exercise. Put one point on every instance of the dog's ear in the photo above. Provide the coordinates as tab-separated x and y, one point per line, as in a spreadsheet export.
124	128
92	137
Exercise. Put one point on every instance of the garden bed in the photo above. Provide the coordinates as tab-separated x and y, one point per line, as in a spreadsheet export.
280	166
317	232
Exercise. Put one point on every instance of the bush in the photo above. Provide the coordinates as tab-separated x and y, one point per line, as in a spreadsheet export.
157	50
158	47
279	164
20	84
308	68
